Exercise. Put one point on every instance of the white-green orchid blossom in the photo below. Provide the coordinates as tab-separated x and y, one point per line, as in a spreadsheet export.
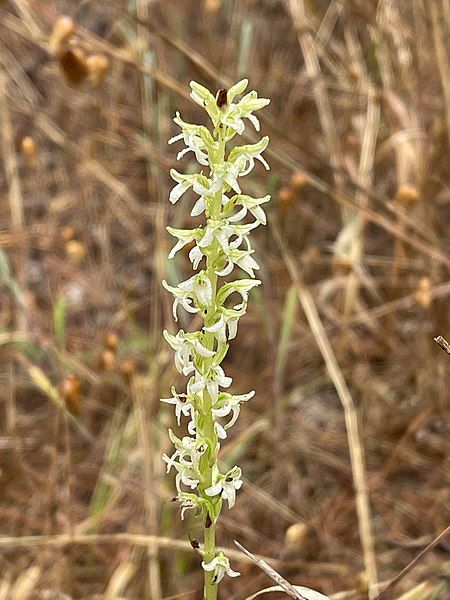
220	565
253	205
188	347
197	138
196	289
198	182
182	403
227	485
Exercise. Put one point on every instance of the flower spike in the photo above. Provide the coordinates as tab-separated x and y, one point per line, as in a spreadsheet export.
222	245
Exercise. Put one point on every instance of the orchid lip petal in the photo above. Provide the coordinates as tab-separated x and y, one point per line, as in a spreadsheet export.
214	490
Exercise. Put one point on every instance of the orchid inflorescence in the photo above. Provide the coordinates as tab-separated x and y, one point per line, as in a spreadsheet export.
222	244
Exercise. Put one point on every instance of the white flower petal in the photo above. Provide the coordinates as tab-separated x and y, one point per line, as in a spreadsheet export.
198	207
214	490
255	121
175	138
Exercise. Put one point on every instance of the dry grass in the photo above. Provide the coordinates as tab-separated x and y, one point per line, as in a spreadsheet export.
345	447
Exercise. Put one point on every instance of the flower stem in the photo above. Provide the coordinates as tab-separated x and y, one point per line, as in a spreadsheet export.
209	536
210	591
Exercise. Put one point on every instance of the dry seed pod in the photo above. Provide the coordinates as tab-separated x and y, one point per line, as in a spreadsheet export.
62	32
107	361
423	293
352	141
354	72
28	147
286	195
298	180
75	252
294	537
111	341
73	65
71	392
407	193
67	232
212	5
128	368
97	65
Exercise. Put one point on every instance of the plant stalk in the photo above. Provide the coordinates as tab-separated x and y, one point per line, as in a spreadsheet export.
209	535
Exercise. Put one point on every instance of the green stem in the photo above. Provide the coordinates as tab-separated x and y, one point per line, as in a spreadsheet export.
209	535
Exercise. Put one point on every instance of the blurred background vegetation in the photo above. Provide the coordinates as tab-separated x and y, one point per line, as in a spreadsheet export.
345	447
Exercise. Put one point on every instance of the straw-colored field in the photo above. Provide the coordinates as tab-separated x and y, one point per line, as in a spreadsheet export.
345	446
